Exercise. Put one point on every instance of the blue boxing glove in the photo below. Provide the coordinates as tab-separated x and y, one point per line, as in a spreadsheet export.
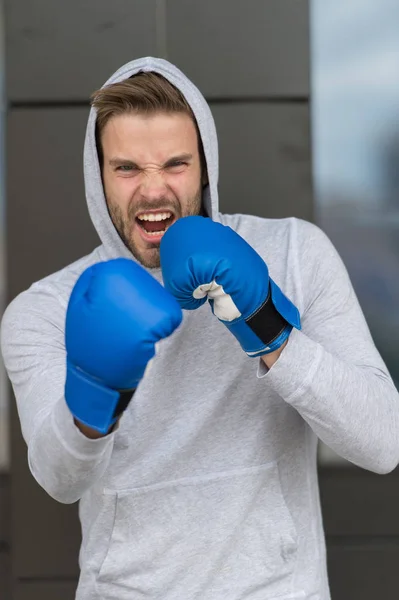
202	259
116	314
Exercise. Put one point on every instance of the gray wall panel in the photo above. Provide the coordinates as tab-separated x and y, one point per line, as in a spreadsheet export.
47	212
53	590
241	48
48	216
265	164
358	502
5	577
4	509
364	572
45	534
65	50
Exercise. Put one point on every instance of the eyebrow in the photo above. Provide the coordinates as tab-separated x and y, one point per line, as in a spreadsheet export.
180	157
117	162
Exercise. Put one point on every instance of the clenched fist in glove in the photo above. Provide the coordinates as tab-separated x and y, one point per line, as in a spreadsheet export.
202	259
116	314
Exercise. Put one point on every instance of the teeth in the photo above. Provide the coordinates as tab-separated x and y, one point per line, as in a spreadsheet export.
154	216
154	233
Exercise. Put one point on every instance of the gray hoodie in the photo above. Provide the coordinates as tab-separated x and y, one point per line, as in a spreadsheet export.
208	488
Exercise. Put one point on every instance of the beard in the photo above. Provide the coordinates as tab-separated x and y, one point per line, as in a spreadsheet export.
150	257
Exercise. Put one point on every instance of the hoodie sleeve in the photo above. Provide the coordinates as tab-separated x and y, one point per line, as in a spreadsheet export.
331	371
62	460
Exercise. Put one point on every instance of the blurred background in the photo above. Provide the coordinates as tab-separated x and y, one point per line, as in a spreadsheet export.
355	130
355	121
312	87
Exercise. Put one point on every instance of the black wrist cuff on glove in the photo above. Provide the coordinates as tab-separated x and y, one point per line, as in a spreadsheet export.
125	397
91	402
267	322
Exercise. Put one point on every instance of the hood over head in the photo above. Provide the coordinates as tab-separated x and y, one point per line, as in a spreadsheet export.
98	210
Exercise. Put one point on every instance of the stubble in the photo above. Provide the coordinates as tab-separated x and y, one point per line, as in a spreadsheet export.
150	257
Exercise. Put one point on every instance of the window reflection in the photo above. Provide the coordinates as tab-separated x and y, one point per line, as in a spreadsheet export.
355	100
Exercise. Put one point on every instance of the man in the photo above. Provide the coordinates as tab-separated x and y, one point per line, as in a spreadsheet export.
189	438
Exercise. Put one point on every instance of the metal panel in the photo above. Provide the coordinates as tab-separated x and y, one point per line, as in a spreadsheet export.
265	166
241	48
59	50
363	572
357	502
52	590
47	220
48	227
45	534
5	577
4	509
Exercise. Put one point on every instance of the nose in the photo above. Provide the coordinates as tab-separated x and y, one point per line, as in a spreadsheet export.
153	184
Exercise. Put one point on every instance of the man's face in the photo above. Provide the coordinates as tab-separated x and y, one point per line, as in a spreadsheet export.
151	177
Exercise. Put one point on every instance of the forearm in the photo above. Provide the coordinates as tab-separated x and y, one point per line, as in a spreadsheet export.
354	409
91	433
63	460
270	359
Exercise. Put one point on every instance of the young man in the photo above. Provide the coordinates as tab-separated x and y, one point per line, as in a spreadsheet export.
190	438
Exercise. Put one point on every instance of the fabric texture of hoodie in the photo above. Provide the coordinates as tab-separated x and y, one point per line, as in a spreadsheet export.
207	490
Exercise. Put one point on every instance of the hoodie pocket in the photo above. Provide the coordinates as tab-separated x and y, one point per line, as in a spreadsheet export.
224	535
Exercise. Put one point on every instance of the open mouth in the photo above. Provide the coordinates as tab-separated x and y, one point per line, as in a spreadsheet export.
154	224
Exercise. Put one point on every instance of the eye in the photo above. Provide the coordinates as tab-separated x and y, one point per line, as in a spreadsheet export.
126	168
177	164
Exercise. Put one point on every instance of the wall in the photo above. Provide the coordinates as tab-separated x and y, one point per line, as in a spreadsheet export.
251	60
